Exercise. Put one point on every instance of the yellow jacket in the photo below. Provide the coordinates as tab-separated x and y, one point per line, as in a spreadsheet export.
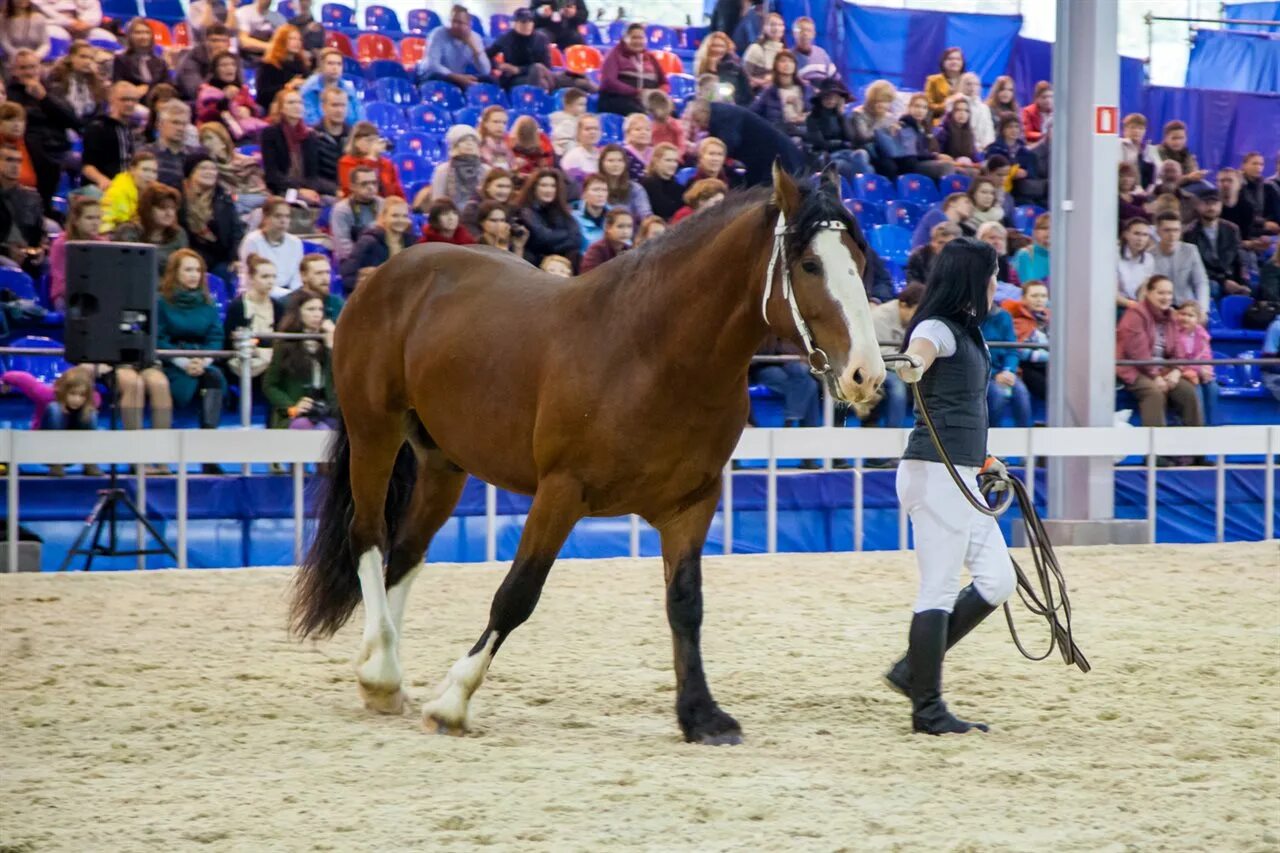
937	90
119	202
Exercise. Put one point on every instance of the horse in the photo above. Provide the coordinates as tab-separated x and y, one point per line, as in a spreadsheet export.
620	391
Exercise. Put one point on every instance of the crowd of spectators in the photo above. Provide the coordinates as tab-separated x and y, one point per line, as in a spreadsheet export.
268	179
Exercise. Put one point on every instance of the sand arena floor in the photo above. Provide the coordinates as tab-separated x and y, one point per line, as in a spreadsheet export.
169	711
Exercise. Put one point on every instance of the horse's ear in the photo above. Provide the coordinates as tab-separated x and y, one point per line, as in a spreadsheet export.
786	195
830	181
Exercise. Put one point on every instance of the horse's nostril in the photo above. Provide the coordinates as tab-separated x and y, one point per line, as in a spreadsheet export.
857	377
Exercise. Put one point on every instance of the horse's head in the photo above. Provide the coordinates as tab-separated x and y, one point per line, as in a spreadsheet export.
819	259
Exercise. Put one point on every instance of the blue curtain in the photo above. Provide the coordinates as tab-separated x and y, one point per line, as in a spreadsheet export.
1237	62
1222	126
1266	10
1031	61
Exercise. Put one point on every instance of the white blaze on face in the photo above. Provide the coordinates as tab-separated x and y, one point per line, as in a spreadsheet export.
847	290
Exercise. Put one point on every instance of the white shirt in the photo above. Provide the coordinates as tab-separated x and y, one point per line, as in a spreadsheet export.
937	333
980	120
287	257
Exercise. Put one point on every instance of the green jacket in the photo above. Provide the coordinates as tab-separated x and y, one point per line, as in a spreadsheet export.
283	390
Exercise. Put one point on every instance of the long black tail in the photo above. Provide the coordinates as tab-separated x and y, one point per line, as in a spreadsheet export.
327	588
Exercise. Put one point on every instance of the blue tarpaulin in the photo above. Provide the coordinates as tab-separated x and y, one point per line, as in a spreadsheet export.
1265	10
1221	126
1237	62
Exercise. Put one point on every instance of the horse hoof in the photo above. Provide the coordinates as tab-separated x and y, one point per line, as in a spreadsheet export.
436	726
380	700
721	739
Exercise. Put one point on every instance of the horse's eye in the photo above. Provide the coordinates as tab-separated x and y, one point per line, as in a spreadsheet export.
810	266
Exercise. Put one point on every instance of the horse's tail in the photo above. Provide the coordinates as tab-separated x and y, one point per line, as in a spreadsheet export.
327	587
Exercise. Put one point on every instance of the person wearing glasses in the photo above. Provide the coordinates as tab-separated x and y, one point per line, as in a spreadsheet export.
353	214
498	230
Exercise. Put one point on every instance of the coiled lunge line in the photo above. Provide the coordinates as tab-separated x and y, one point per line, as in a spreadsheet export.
1052	603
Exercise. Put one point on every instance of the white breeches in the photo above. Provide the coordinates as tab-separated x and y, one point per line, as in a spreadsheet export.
950	535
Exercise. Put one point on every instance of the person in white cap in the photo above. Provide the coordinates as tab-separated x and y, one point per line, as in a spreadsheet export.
459	178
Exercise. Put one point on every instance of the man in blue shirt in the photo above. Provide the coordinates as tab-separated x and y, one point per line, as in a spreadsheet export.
455	53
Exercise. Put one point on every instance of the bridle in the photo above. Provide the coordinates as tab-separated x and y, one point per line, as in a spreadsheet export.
819	364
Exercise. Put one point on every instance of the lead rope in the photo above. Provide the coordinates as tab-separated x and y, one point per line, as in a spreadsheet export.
1055	607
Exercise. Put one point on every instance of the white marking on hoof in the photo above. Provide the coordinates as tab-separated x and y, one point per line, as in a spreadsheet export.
391	702
449	712
378	663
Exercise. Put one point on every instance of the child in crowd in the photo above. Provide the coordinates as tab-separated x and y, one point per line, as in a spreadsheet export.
1193	343
557	265
564	123
666	127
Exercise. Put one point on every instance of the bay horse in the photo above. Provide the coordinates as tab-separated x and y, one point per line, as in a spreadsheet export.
620	391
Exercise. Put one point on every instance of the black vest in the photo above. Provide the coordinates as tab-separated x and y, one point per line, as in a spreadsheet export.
955	390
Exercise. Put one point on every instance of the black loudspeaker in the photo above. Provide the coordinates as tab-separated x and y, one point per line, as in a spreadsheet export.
111	303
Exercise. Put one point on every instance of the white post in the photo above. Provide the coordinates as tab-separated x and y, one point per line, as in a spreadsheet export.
771	502
182	508
1269	487
857	504
1151	487
635	535
141	563
11	523
726	504
1220	497
299	511
490	522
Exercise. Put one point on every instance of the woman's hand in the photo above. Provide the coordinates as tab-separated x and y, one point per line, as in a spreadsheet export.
910	372
1006	378
1171	378
304	405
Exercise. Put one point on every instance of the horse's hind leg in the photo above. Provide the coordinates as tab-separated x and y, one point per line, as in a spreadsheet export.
557	506
701	720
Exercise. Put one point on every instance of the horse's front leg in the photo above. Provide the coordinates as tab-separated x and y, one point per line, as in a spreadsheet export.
701	720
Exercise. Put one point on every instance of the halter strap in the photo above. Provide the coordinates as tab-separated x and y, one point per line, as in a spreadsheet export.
819	364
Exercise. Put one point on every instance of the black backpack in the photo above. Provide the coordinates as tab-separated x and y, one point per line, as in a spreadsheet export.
1259	315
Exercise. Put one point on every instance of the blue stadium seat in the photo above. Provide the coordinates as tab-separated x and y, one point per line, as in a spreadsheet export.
468	116
105	43
611	128
898	273
412	168
444	94
904	213
58	48
386	116
393	90
683	86
250	150
168	11
386	68
1232	309
382	19
532	97
543	120
338	16
287	10
412	189
872	188
617	30
477	27
918	188
422	21
220	292
591	34
499	24
121	10
660	37
46	368
890	242
1024	217
430	117
19	282
310	247
351	68
954	183
557	100
683	176
413	142
868	213
485	94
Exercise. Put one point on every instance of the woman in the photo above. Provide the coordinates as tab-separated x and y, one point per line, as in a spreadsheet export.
224	98
545	212
955	137
24	27
938	88
637	144
760	56
84	222
156	223
876	130
75	79
784	103
715	56
629	71
1006	390
590	210
530	148
444	225
239	175
985	195
828	133
208	215
1008	142
623	191
492	130
459	178
271	240
367	147
666	194
1003	98
984	128
290	159
584	157
255	310
188	319
1133	200
919	148
949	360
498	231
284	63
702	194
138	63
1031	324
1147	332
120	201
650	228
391	233
299	382
497	186
1137	264
711	157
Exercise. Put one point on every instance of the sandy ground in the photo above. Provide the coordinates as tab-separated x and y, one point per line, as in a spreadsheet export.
169	711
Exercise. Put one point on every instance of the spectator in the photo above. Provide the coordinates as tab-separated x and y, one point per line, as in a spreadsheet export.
1254	190
172	124
784	102
290	155
629	71
443	225
1032	262
1192	343
1173	146
530	148
455	53
459	178
526	55
665	193
255	310
188	320
329	75
1133	149
120	201
1271	200
1180	263
917	144
702	194
1169	193
544	211
1271	349
1218	243
1005	389
590	209
584	157
24	27
998	169
1035	113
1008	285
939	88
664	127
299	382
623	191
637	142
48	120
239	175
284	63
564	122
828	132
366	147
1133	200
1147	332
984	199
751	27
980	118
1238	209
21	222
921	260
1003	99
492	130
76	81
156	223
648	229
73	20
499	230
748	139
257	23
208	215
138	63
273	242
955	137
801	406
715	56
1137	263
84	222
956	208
759	57
890	320
1269	280
72	408
876	131
13	130
727	14
877	281
496	186
557	265
108	139
561	25
317	279
304	22
392	233
196	66
1030	316
618	229
808	54
204	14
332	133
224	98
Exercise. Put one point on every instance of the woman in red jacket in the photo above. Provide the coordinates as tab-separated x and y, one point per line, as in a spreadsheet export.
365	147
443	225
628	72
1148	331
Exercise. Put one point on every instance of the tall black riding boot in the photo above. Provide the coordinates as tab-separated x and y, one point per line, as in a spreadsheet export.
210	415
929	713
970	609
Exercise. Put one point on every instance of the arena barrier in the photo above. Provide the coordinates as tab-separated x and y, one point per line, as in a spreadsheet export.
182	448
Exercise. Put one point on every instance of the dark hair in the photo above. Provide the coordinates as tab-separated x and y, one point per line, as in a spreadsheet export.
1042	87
573	95
292	355
213	67
616	213
528	193
216	29
978	181
954	198
439	208
957	287
1168	216
942	60
1007	119
995	161
911	295
1171	126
